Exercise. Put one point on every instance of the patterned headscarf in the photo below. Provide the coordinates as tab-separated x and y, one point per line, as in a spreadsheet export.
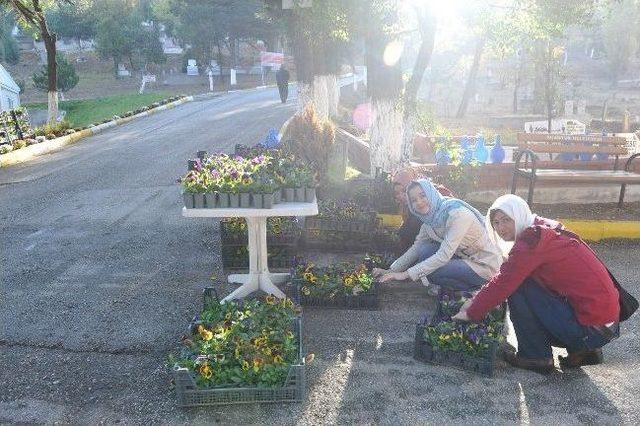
439	205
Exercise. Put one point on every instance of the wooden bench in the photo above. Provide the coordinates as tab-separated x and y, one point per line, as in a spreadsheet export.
532	144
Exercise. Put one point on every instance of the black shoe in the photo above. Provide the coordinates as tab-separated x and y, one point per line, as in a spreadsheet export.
542	366
578	359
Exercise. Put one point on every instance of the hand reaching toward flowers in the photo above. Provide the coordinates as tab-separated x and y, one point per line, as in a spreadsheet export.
379	271
462	313
394	276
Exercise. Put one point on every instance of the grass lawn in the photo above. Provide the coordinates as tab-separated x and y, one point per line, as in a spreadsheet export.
84	112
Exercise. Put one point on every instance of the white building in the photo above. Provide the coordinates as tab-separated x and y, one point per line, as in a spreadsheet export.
9	91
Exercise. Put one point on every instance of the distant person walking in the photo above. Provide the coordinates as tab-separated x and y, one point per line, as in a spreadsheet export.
282	79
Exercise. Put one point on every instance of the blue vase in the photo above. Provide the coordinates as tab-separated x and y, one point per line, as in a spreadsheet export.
481	154
467	152
585	156
442	157
272	139
497	152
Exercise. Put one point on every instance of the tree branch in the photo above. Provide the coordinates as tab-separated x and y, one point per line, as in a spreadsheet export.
24	10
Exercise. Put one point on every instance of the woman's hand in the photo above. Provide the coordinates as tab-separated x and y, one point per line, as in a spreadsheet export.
376	272
394	276
462	314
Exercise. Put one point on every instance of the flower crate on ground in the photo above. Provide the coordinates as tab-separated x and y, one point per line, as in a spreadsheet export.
283	236
343	285
279	258
281	232
467	346
342	226
242	352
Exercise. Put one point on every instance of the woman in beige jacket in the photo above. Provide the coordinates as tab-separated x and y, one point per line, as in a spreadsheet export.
452	249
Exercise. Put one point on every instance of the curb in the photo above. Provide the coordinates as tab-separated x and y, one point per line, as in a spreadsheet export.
29	152
597	230
590	230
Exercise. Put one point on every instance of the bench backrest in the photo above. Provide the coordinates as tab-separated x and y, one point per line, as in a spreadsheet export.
560	143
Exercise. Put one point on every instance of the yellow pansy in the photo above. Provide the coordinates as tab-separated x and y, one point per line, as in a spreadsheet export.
206	371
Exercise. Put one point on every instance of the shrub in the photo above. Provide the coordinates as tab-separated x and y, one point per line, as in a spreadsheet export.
4	148
311	140
19	143
58	129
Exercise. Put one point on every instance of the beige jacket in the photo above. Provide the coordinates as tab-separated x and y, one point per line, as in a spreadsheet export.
463	236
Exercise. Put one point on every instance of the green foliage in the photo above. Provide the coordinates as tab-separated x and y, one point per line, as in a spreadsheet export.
335	280
77	20
56	129
209	26
84	112
237	344
66	76
620	35
8	46
469	338
121	36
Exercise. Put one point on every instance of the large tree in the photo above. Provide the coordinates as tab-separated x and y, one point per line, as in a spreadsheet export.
8	47
77	20
620	34
122	36
214	27
545	23
32	15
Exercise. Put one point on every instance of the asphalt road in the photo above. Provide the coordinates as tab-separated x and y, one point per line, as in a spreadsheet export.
101	274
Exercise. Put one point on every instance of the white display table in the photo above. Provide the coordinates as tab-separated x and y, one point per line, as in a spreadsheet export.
259	277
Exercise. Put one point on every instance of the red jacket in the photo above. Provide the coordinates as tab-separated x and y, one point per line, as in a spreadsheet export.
559	263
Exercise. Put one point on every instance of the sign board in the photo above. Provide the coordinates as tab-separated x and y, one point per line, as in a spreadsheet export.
570	127
272	59
149	78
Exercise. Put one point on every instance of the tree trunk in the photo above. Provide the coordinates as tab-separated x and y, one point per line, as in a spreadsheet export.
427	31
384	86
471	81
52	96
548	85
516	85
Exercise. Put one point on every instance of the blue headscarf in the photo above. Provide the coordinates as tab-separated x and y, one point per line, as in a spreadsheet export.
439	205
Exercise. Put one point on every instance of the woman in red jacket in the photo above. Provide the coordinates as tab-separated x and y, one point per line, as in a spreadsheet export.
559	293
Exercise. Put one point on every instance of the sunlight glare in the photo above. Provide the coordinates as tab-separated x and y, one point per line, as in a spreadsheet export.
393	52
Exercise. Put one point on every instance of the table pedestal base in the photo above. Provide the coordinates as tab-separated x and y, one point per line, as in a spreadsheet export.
259	277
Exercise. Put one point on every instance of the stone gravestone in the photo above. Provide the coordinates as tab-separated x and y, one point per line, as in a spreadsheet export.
582	107
192	68
122	71
568	108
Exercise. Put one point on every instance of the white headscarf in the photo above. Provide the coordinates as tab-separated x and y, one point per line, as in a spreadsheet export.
518	210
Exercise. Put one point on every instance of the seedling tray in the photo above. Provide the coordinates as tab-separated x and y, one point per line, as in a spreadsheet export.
369	300
424	352
293	390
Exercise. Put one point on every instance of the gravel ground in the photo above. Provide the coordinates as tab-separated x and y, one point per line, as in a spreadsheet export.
363	370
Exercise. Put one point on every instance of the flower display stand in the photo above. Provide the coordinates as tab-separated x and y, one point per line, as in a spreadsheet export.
259	277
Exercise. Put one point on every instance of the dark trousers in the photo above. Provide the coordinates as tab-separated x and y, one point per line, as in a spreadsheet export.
542	319
284	91
456	275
